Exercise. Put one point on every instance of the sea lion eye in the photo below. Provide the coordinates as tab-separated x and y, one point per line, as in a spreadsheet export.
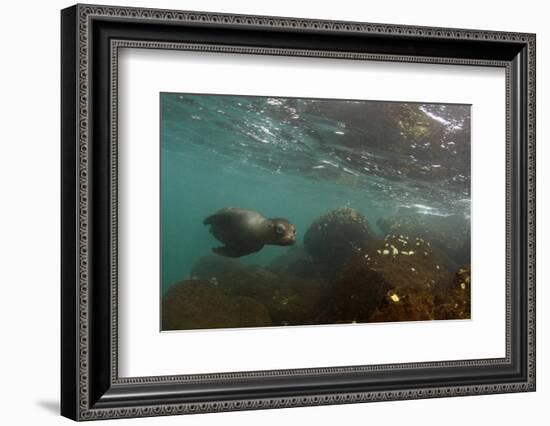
280	229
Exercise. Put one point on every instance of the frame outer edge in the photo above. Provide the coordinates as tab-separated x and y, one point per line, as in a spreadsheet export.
69	288
265	21
83	198
531	207
83	13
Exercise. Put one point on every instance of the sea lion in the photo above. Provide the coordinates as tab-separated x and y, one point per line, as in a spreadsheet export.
246	231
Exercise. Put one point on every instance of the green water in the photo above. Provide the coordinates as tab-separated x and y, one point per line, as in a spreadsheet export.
298	159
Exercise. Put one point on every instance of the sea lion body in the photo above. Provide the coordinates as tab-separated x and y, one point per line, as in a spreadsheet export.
246	231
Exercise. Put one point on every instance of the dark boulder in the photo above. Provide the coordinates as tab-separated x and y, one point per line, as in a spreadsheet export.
290	300
457	303
450	235
408	261
405	304
198	304
212	266
356	293
336	237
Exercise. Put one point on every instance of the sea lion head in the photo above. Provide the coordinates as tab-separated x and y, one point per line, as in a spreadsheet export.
283	232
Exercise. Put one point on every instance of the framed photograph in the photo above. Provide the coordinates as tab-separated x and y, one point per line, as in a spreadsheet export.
263	212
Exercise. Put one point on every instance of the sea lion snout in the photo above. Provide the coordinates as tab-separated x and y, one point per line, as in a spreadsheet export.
285	232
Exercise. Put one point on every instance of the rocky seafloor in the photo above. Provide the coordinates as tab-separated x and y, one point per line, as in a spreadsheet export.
418	269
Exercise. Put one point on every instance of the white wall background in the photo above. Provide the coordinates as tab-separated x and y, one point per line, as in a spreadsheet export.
29	211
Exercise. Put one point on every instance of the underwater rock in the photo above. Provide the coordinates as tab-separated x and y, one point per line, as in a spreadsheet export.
423	303
250	281
291	255
212	266
456	304
296	302
449	234
290	300
356	293
337	236
408	262
405	304
397	279
305	268
198	304
296	262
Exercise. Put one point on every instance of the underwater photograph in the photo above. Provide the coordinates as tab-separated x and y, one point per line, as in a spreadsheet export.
300	211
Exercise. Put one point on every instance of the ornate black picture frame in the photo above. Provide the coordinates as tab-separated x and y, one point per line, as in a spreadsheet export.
91	387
